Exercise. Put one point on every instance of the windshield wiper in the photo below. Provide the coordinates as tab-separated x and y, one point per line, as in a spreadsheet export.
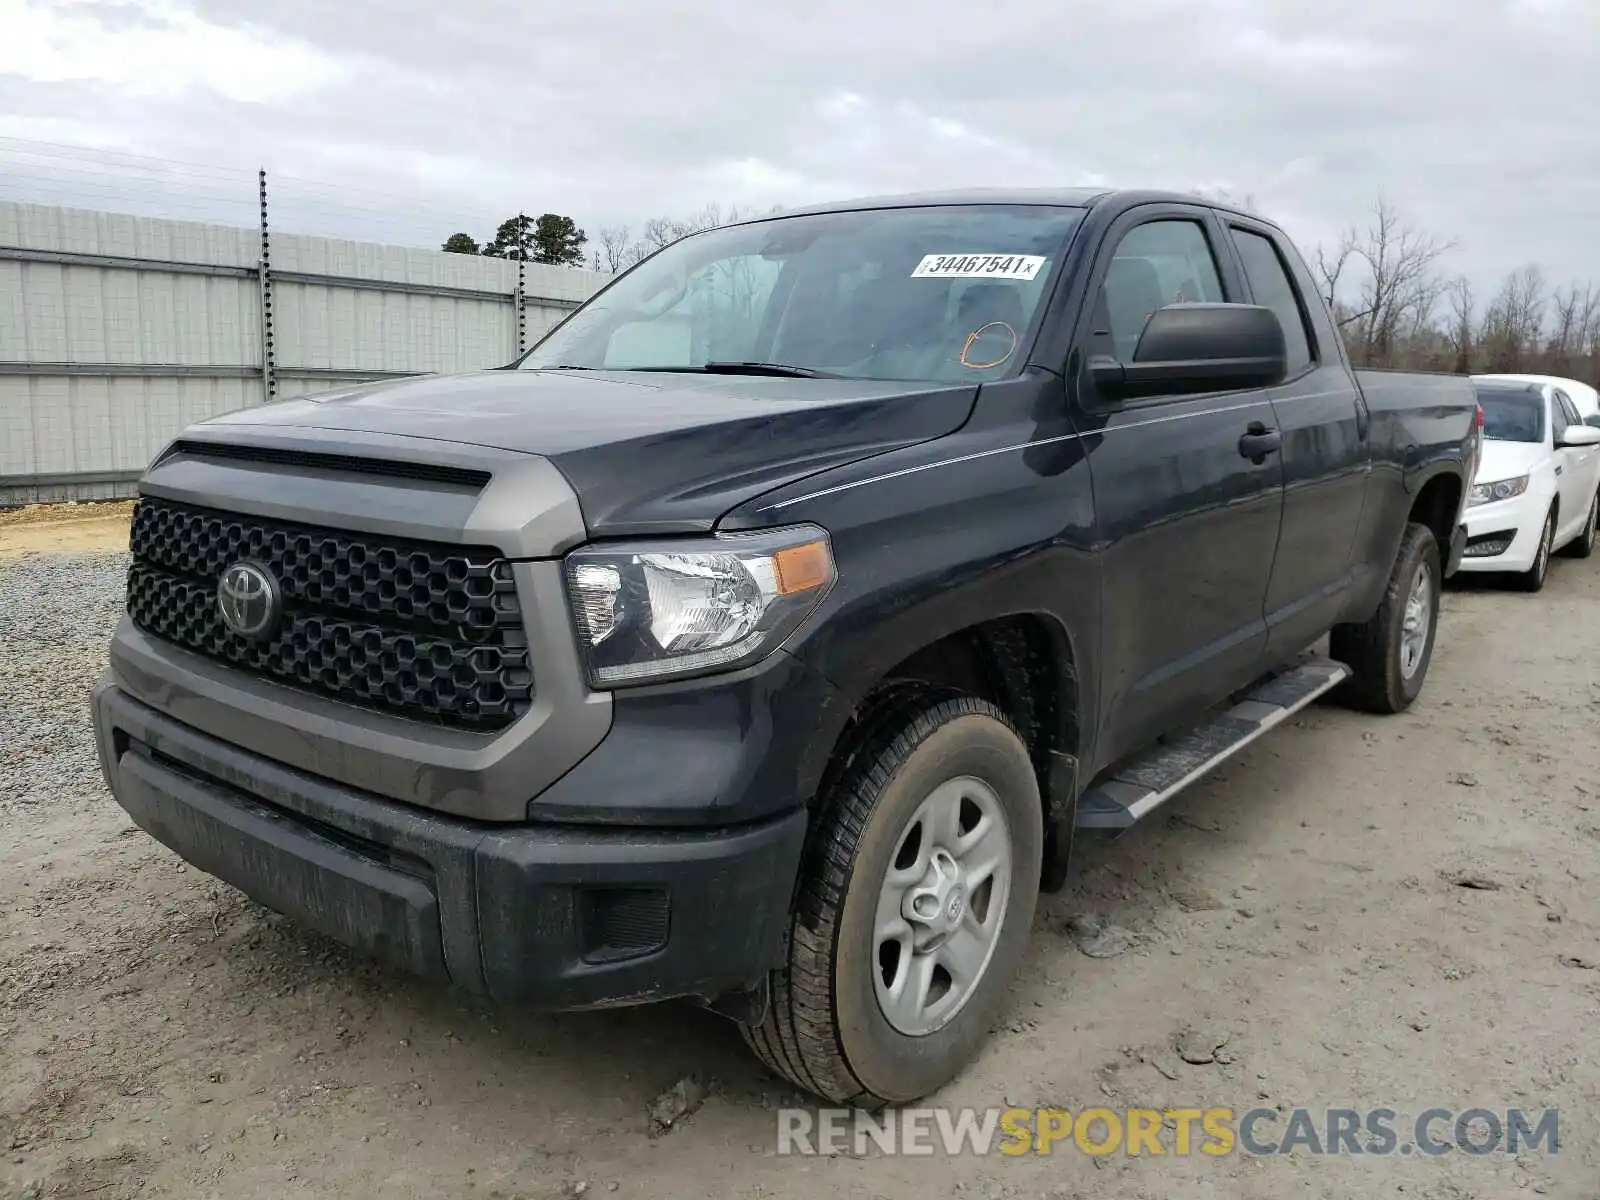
766	368
782	370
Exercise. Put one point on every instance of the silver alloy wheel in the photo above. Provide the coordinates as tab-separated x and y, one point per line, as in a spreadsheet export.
1589	527
941	906
1541	562
1418	619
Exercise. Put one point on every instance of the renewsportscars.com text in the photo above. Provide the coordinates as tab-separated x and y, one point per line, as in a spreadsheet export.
1178	1132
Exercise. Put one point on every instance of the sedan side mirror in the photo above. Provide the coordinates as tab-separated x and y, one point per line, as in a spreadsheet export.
1191	348
1580	435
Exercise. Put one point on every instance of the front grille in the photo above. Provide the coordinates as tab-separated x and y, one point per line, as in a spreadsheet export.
419	629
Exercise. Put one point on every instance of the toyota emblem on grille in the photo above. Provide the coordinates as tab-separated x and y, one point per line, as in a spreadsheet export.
249	600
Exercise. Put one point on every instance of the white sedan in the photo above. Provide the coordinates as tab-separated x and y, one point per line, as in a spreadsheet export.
1537	490
1584	398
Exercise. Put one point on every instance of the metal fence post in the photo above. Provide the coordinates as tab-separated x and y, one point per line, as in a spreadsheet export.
522	269
269	374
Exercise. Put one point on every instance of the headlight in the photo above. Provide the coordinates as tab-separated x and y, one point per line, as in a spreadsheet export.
662	610
1486	493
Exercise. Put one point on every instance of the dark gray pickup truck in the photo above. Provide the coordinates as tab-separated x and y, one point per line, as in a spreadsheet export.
764	635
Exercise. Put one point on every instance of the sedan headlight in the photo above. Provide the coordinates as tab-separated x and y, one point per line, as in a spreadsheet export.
662	610
1487	493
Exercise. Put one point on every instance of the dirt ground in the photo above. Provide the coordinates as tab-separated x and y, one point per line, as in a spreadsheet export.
64	528
161	1036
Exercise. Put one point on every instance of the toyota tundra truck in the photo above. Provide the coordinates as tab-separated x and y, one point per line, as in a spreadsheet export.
764	635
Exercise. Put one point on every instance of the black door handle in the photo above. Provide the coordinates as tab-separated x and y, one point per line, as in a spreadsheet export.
1259	441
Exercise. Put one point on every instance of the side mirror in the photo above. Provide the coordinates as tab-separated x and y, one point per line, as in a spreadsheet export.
1580	435
1188	348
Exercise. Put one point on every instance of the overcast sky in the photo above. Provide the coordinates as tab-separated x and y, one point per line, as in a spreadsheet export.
1479	120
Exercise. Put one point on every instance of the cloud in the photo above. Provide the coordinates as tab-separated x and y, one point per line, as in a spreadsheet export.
155	50
1475	117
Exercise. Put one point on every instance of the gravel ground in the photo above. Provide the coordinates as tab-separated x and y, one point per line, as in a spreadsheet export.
56	615
1357	911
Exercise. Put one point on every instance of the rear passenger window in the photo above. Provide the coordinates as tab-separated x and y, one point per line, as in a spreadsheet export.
1270	284
1155	264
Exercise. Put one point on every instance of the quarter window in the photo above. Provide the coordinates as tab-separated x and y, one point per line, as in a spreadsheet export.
1271	286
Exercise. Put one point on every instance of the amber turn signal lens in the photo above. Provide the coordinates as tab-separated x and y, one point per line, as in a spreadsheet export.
801	568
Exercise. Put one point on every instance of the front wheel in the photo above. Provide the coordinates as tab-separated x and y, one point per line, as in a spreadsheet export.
1389	654
1532	580
914	906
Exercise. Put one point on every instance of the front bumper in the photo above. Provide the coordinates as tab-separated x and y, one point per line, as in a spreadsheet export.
554	916
1520	519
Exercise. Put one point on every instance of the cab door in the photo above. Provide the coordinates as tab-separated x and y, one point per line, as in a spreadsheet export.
1326	452
1187	522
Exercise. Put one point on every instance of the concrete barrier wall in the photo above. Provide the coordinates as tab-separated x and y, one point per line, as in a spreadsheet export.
118	331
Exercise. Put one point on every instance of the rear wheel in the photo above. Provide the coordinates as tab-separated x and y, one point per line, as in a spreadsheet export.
914	905
1532	580
1389	654
1582	546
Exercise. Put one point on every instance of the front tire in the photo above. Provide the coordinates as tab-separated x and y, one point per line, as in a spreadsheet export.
1532	580
1582	546
1390	653
914	905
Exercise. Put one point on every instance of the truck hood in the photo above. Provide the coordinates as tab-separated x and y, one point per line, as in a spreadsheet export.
1506	460
645	452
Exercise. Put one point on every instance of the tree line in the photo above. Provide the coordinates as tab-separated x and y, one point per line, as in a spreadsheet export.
1397	303
1400	306
558	241
552	239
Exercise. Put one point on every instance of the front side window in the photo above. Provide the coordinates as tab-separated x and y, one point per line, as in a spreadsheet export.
1510	416
936	294
1558	419
1156	264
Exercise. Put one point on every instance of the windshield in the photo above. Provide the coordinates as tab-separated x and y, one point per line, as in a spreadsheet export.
1512	416
942	294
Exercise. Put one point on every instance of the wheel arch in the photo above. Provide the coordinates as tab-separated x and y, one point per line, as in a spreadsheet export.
1025	664
1438	505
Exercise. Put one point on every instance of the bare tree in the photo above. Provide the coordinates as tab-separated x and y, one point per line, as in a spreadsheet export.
1514	321
663	231
617	250
1461	333
1330	265
1573	310
1402	285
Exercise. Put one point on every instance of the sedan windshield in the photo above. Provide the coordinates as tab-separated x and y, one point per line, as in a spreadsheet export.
938	294
1511	416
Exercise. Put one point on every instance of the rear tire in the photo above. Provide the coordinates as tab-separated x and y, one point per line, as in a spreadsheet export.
833	1028
1532	580
1582	546
1390	653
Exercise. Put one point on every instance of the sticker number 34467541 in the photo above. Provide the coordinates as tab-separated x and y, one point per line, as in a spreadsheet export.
978	266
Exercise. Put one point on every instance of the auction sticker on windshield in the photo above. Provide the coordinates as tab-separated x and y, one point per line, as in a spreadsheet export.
978	266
